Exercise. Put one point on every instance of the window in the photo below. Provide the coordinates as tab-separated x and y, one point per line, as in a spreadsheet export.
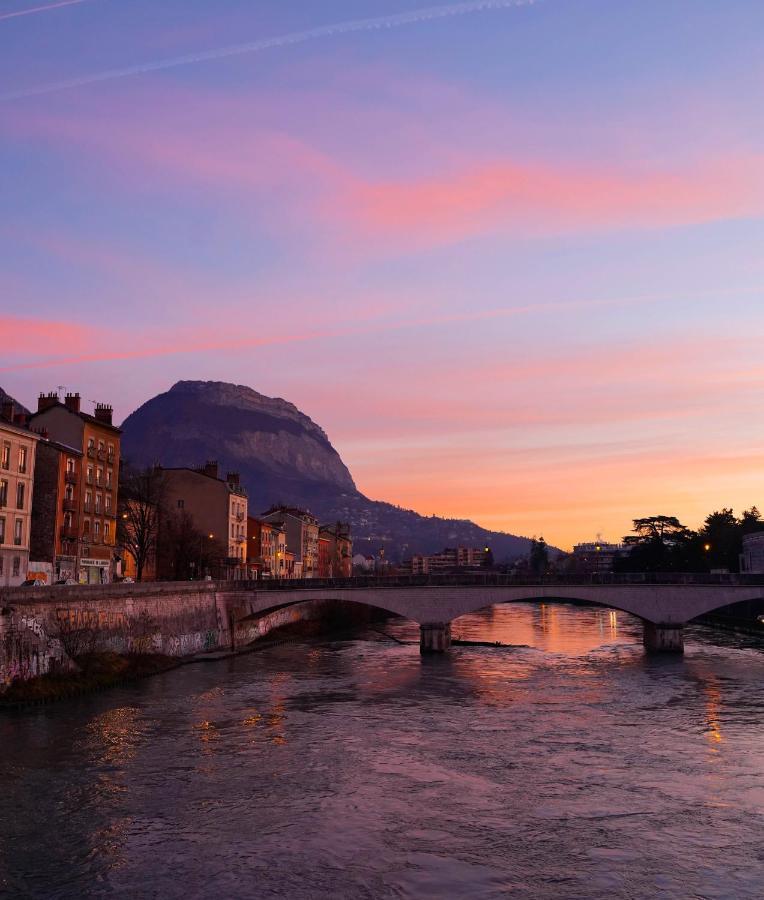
91	443
16	566
70	466
101	446
18	532
1	565
3	493
99	475
2	530
22	459
6	463
90	475
108	478
86	526
181	504
108	503
96	528
98	504
106	530
88	500
20	487
68	521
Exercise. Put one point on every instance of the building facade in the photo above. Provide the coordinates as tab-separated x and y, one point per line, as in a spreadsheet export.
595	558
752	557
88	533
55	509
340	550
301	537
449	559
218	509
17	465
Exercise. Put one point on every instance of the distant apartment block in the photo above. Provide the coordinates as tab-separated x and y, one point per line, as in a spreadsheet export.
449	559
596	557
337	552
301	537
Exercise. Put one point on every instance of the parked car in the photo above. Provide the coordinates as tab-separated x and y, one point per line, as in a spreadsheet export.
128	580
65	581
33	582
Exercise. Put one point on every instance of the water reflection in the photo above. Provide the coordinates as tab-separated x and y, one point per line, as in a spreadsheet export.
565	765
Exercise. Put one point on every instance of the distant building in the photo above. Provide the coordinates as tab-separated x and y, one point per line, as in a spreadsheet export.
363	563
301	537
595	558
266	548
449	559
89	534
340	549
218	508
17	468
752	557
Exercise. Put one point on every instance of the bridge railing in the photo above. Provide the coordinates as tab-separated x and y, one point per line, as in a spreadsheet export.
496	579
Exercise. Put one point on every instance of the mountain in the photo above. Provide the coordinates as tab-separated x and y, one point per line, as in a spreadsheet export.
283	456
19	407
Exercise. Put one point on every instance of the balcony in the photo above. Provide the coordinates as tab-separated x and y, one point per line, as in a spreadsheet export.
91	452
110	459
68	533
239	517
101	454
70	477
69	505
88	508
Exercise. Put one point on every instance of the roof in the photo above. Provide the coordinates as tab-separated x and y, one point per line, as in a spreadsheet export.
19	429
86	417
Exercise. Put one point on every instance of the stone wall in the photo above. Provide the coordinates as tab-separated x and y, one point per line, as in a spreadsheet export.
42	628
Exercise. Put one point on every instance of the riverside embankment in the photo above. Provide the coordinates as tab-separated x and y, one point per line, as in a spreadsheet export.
44	630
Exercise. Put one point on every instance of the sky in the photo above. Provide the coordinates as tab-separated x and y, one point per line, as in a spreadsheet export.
509	255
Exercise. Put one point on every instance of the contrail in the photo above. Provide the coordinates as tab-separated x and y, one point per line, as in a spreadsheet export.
40	9
285	40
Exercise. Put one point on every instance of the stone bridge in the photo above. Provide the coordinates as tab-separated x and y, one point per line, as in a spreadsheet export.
40	626
663	603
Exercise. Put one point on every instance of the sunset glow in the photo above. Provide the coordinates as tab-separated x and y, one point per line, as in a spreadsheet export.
510	259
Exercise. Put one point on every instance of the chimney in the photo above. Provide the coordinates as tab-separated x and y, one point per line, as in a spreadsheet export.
9	408
210	468
233	478
45	401
103	413
72	402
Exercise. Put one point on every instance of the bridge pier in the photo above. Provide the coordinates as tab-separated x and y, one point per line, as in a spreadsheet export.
434	637
663	638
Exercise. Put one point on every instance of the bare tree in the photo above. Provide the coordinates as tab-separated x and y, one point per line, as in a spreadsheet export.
142	495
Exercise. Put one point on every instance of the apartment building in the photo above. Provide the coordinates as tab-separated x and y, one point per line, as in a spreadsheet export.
55	508
339	550
301	537
88	534
266	548
218	508
449	559
18	447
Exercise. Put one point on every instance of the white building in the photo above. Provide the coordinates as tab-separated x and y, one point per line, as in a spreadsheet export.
752	557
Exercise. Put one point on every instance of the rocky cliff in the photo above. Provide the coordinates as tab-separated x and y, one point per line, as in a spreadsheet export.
285	457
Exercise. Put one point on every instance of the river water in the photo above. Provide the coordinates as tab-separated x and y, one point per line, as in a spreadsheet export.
569	765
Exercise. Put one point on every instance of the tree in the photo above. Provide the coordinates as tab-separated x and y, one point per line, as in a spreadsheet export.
659	544
183	551
142	496
538	557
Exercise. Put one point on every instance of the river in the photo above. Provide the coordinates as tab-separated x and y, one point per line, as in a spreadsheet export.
567	766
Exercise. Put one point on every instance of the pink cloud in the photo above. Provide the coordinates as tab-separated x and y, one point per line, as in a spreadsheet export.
540	199
39	337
